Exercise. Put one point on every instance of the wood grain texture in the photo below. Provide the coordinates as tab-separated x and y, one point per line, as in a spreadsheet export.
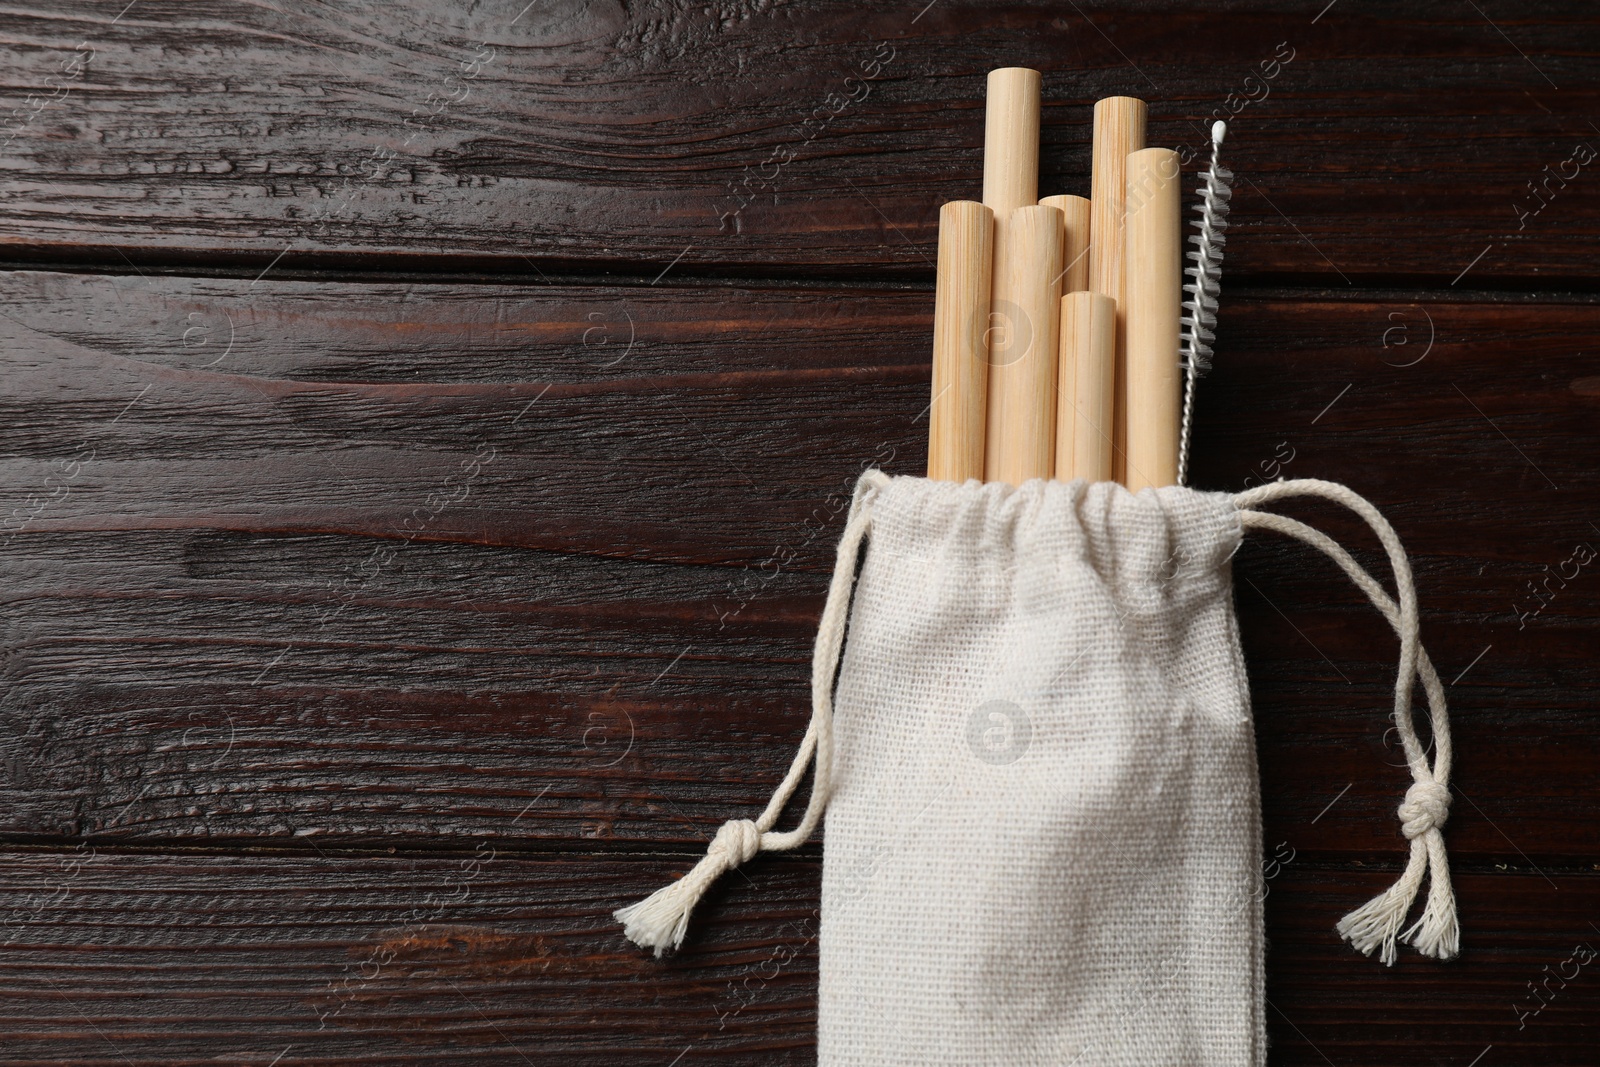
496	958
478	957
798	138
262	609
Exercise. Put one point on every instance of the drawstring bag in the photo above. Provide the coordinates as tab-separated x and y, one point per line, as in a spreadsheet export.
1043	837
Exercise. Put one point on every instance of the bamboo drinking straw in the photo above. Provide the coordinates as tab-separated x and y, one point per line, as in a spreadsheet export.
1015	438
1088	332
1074	276
1119	127
1011	141
1022	356
1154	277
960	342
1075	245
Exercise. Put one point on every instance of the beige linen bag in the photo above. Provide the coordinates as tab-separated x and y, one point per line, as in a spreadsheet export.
1043	839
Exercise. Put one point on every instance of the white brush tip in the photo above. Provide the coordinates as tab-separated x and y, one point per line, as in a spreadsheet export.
1219	129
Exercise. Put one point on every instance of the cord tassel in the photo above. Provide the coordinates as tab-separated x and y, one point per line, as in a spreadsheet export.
1376	925
661	920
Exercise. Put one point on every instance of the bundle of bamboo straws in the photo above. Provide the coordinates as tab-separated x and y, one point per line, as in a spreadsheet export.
1031	383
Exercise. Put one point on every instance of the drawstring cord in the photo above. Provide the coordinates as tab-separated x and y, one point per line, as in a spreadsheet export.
1376	924
660	920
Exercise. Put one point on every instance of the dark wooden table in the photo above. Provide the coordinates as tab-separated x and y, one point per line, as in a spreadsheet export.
423	437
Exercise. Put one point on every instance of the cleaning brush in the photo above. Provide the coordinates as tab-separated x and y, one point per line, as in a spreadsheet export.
1205	285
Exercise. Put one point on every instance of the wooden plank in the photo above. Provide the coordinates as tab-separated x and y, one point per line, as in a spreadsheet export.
608	408
810	137
140	958
228	620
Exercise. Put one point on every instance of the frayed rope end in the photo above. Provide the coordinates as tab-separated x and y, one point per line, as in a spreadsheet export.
1437	933
661	920
1376	924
